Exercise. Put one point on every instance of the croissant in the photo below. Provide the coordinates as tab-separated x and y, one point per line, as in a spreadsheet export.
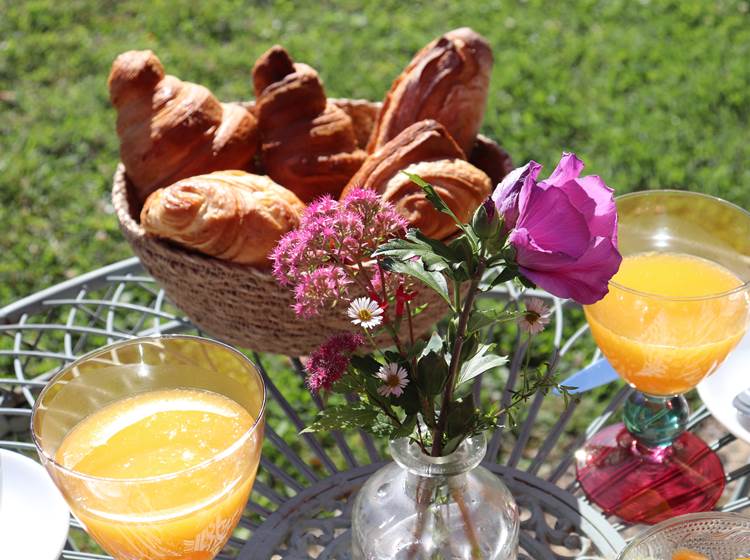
425	149
448	80
307	144
170	129
232	215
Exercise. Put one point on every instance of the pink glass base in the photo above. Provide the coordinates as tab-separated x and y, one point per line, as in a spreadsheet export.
642	485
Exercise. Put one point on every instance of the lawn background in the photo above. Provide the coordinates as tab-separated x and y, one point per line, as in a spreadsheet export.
650	94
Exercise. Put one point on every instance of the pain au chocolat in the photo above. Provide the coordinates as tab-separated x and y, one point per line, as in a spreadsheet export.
231	215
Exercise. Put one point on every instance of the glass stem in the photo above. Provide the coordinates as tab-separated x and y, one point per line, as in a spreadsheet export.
655	422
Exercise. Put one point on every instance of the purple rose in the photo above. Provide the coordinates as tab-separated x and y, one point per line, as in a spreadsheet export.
564	229
507	192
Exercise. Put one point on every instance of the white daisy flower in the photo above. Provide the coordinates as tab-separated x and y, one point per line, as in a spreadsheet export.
365	312
394	380
536	316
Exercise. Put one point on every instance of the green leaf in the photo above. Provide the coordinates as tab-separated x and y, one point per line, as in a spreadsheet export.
435	263
392	357
433	373
404	249
415	269
481	362
349	383
365	364
435	344
498	276
447	251
452	444
431	194
382	427
469	347
407	427
409	399
416	349
526	282
358	415
435	254
461	417
466	262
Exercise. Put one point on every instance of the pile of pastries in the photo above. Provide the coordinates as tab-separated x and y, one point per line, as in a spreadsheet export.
229	179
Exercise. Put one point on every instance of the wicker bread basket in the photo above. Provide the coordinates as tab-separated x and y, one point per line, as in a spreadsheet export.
242	305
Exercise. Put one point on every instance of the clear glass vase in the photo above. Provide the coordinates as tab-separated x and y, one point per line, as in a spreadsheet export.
435	508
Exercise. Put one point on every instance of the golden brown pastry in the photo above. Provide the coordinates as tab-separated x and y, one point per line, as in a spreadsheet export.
426	149
448	80
232	215
307	144
170	129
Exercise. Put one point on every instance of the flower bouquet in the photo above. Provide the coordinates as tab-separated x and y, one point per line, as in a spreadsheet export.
436	501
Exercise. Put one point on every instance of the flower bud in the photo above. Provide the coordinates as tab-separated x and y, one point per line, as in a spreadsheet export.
486	220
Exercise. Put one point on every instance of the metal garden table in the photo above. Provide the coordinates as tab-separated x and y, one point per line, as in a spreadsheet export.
301	500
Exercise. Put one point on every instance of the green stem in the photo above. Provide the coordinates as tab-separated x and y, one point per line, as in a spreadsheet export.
371	340
437	439
426	404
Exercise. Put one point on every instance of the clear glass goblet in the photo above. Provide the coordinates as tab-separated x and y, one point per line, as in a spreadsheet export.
154	443
678	305
717	536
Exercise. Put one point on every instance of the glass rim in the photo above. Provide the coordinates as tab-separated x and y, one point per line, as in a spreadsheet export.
166	476
650	192
668	523
466	456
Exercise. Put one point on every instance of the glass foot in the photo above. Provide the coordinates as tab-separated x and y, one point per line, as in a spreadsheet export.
649	485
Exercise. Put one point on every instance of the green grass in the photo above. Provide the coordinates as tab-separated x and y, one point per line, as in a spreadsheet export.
650	94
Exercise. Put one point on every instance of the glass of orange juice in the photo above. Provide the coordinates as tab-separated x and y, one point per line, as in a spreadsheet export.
155	443
676	308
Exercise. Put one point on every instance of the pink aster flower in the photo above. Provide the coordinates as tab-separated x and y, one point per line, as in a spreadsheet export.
394	379
329	362
536	316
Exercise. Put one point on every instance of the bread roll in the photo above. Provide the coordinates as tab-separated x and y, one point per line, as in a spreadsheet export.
426	149
448	80
170	129
232	215
307	144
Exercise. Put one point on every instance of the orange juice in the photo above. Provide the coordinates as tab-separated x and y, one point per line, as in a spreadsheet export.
155	446
666	342
684	554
